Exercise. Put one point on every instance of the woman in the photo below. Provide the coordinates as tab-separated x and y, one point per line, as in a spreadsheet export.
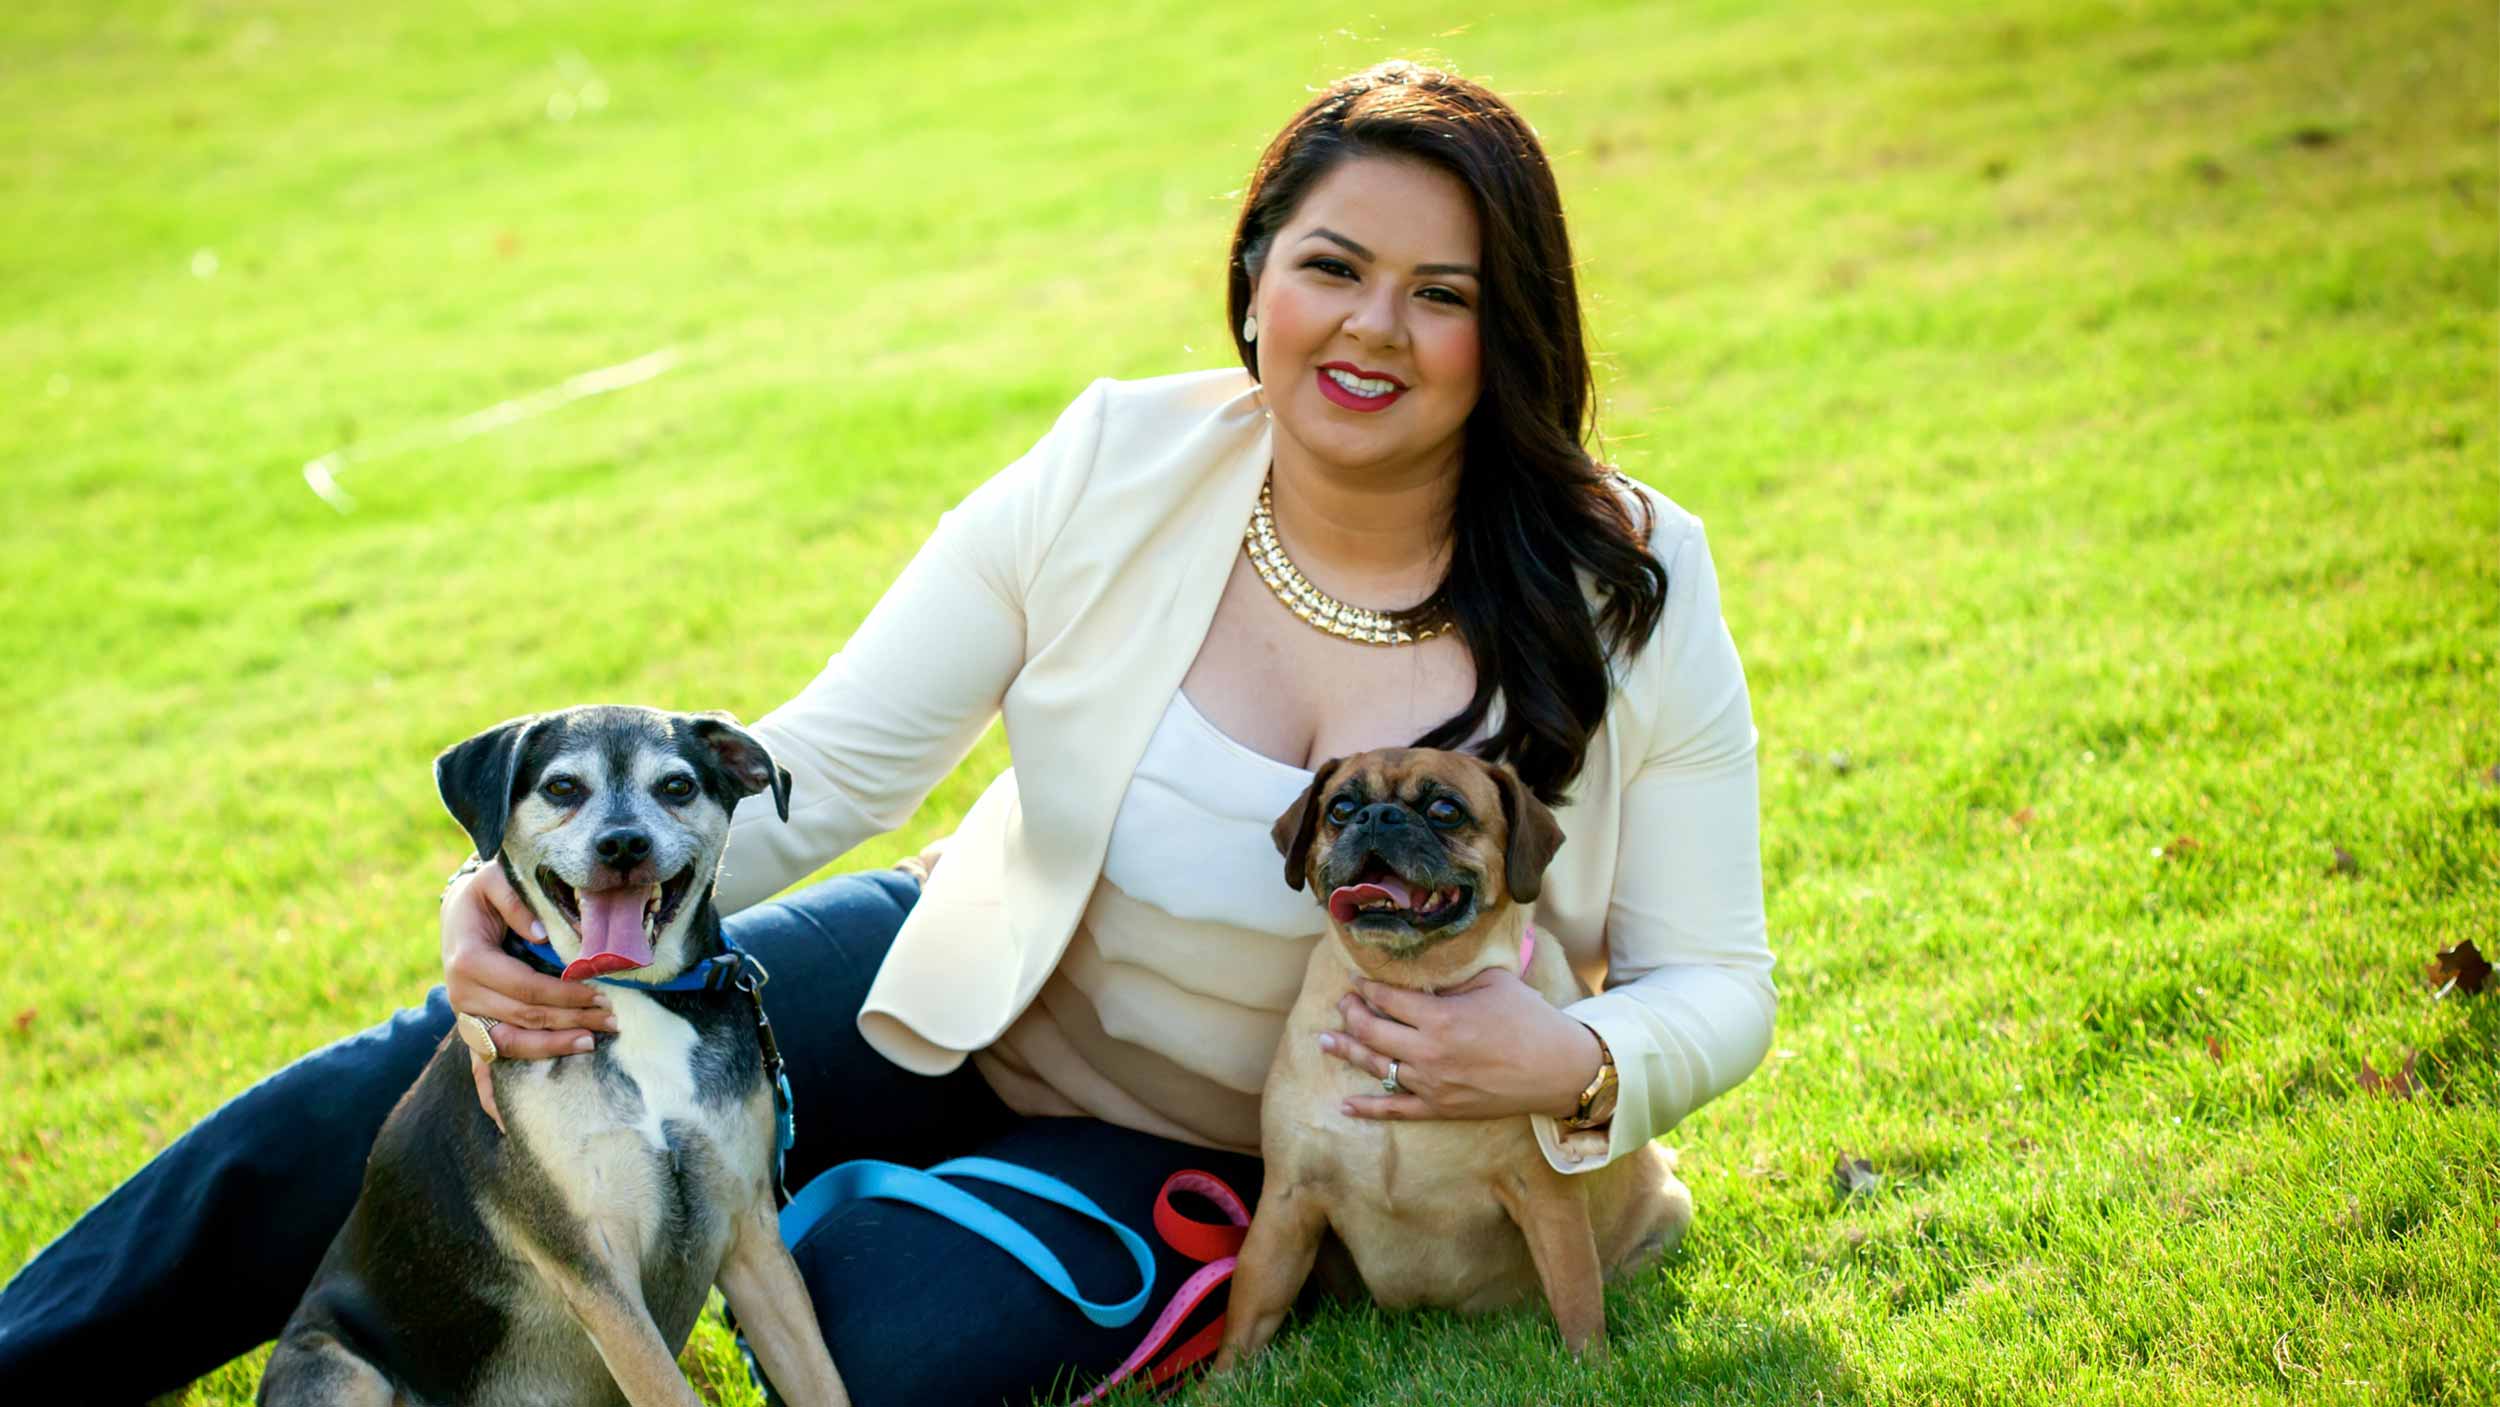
1156	598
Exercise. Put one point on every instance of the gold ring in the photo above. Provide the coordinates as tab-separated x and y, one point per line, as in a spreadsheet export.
478	1034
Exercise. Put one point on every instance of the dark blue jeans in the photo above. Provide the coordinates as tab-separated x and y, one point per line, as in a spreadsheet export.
203	1253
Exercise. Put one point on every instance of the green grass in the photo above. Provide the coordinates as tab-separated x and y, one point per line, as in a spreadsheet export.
2093	405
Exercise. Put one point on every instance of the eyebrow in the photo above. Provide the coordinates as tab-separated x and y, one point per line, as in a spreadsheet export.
1360	252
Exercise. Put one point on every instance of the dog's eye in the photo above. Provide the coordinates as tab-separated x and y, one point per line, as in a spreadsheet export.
1445	812
563	790
678	788
1341	810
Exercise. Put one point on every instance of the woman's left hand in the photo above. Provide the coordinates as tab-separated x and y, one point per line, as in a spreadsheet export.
1486	1049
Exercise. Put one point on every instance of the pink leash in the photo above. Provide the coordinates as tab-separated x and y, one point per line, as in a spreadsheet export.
1216	1243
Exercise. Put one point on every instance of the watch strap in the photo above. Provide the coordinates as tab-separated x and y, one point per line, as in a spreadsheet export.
1588	1115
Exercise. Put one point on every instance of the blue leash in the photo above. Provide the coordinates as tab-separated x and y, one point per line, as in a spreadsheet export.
892	1182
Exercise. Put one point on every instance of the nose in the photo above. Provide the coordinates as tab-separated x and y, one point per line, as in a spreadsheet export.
622	847
1375	317
1383	813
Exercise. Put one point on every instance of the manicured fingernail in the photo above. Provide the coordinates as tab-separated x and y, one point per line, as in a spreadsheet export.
1327	1042
600	999
538	930
1347	1110
607	1021
582	1044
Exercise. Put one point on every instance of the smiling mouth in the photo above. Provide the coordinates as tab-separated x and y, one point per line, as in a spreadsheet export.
618	927
1379	897
1356	392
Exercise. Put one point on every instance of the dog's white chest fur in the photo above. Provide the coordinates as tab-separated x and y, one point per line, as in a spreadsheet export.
655	1046
607	1146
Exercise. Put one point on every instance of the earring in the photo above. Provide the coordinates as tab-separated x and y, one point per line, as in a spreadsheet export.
1250	327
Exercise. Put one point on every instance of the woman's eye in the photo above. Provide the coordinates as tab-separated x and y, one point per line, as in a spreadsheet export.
1341	811
562	789
1336	268
1450	296
1445	812
678	788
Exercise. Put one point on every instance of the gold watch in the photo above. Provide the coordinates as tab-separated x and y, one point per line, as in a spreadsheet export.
1597	1102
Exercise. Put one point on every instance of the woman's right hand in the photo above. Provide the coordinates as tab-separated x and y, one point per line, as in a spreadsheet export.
541	1016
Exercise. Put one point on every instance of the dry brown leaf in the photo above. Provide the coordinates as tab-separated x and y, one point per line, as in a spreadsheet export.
2020	819
1855	1175
2180	847
2213	1050
2462	967
26	1021
2344	863
2400	1085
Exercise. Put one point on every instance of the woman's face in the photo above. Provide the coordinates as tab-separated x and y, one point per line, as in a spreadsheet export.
1368	345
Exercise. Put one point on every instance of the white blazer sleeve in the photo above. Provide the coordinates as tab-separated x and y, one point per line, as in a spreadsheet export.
909	694
1688	1004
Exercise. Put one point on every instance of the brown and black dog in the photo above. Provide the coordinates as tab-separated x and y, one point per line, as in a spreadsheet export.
1427	862
566	1257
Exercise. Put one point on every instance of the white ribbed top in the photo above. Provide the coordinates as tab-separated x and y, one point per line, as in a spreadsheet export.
1165	1011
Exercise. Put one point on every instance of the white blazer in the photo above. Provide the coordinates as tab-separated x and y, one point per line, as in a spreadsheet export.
1070	594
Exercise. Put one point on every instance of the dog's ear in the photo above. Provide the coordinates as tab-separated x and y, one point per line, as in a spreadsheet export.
475	779
1534	836
1294	829
744	759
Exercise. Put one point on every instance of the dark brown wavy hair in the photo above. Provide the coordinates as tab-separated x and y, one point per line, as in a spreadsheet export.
1534	506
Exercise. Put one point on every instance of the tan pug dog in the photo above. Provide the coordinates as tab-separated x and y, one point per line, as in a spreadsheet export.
1427	862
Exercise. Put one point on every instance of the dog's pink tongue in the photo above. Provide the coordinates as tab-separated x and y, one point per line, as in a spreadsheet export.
612	936
1346	902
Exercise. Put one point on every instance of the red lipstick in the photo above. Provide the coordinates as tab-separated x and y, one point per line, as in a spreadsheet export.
1344	395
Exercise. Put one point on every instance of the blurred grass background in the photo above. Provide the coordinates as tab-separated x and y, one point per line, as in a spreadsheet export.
2093	404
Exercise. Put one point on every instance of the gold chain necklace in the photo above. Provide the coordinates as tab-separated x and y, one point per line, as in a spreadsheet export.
1322	611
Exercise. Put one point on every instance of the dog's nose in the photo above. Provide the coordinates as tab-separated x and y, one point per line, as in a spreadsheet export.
623	847
1383	813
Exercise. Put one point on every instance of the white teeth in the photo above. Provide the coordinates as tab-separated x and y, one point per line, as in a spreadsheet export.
1367	389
